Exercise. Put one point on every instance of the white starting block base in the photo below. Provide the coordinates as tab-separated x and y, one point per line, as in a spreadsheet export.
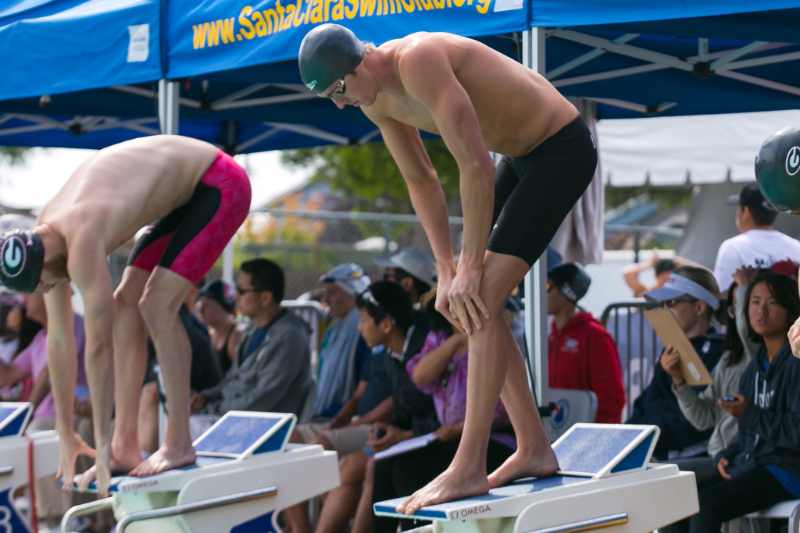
605	482
245	473
18	453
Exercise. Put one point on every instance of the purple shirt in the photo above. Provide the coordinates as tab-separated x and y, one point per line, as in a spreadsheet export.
450	392
33	360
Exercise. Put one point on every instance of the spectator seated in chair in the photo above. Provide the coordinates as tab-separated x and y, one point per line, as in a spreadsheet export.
272	371
762	466
581	354
217	307
691	296
386	317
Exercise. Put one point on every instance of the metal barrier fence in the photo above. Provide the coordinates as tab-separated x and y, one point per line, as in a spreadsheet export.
314	315
638	346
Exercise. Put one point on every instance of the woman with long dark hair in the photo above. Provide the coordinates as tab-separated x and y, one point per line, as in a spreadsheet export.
762	466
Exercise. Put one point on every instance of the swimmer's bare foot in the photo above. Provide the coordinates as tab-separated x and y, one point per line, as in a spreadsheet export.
119	466
522	464
447	486
164	459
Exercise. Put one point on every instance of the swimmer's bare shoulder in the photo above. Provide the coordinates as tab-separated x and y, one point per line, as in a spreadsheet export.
128	185
385	107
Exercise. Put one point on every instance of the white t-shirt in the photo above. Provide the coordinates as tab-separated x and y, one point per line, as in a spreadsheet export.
758	248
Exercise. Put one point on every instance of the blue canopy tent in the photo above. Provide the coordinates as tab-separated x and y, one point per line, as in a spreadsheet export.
73	68
238	83
238	78
238	62
672	57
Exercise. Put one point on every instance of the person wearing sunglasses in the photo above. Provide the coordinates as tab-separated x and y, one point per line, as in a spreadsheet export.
691	295
272	370
448	85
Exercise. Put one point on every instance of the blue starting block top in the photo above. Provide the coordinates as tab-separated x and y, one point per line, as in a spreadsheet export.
14	418
234	437
459	509
586	452
241	434
600	450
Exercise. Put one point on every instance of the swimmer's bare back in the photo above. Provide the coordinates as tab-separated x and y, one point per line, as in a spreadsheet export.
516	107
127	186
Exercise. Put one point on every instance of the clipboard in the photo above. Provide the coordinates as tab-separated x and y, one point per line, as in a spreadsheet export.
693	369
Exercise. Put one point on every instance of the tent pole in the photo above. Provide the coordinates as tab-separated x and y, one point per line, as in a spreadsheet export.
533	57
169	93
168	106
228	274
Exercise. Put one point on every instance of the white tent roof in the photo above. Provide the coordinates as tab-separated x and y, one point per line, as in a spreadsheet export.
677	150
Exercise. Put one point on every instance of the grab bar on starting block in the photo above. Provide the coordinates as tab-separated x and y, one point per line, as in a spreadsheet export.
587	525
84	509
6	470
201	505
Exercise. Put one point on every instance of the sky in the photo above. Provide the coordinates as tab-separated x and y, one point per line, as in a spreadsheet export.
34	182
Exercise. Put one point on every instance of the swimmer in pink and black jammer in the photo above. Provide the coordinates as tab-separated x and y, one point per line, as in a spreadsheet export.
194	197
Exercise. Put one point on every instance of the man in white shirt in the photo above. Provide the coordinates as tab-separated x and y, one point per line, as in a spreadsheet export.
758	244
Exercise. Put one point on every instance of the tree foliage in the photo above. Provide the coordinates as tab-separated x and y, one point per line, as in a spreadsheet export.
367	174
11	154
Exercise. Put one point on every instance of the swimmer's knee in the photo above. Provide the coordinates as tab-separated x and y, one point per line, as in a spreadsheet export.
495	303
127	295
157	307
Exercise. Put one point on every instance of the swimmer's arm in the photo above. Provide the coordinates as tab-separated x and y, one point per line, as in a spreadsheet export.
380	413
346	413
431	367
428	76
41	388
89	270
11	374
62	359
424	188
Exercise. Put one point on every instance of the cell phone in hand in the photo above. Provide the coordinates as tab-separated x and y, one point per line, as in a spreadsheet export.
728	398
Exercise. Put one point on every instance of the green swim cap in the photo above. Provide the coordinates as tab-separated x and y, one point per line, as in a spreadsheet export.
328	53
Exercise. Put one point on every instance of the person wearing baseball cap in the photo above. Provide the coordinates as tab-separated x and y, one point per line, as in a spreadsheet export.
758	244
581	354
343	351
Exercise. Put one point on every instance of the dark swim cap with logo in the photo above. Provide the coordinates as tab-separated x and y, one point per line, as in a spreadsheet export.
21	260
778	169
328	53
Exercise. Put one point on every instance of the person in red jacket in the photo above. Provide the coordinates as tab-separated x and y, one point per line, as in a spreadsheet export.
581	353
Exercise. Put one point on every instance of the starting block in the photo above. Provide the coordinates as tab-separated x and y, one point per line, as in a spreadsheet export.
245	473
23	458
605	481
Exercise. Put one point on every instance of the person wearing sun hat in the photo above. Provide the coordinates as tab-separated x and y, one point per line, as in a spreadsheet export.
413	268
691	296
